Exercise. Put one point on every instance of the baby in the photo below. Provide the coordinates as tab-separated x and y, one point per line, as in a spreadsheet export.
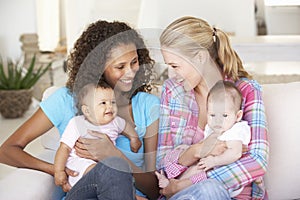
98	105
224	116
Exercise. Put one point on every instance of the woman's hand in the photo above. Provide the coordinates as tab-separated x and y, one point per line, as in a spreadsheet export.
96	149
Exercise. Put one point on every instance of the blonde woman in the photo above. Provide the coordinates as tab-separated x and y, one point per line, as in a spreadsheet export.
198	56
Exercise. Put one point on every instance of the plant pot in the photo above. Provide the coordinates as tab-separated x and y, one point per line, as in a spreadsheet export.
14	103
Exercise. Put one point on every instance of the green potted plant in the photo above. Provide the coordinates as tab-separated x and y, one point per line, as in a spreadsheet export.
16	85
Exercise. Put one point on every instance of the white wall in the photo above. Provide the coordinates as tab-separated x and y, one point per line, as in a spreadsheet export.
80	13
283	20
233	16
19	16
16	17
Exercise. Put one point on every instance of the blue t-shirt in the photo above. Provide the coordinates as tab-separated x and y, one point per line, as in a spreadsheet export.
60	108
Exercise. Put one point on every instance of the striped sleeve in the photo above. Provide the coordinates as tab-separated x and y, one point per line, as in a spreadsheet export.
164	137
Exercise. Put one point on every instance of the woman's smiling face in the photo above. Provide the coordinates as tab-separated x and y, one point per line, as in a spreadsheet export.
182	69
121	67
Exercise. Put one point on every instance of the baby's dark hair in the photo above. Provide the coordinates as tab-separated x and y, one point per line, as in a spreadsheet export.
227	87
86	90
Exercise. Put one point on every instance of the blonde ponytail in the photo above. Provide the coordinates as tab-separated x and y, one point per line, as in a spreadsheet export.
227	58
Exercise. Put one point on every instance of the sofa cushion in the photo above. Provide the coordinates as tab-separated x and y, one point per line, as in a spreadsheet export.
282	104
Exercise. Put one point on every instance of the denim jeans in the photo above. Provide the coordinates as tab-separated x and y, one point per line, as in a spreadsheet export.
205	190
109	179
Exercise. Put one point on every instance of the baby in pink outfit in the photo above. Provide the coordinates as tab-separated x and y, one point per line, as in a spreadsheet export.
98	105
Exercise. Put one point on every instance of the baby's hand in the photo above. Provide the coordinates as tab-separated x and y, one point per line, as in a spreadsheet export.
135	144
206	163
60	178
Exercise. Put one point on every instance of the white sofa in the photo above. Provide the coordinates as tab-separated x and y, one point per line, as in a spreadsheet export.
282	103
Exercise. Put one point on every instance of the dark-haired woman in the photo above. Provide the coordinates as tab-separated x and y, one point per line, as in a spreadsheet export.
114	52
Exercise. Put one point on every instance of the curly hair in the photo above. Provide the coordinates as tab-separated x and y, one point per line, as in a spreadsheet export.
86	62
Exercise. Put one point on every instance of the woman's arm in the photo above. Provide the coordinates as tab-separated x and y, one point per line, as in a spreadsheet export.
147	182
12	150
165	140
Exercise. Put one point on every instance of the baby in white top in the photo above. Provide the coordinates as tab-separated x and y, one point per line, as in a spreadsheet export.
224	114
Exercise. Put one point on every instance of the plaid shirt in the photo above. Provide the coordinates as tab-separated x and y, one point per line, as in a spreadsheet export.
179	125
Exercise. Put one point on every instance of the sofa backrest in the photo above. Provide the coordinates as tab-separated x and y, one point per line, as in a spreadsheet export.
282	105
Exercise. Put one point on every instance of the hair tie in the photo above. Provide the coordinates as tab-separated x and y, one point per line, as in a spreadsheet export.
214	34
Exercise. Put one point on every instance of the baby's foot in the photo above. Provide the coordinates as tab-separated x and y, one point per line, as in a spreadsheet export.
163	181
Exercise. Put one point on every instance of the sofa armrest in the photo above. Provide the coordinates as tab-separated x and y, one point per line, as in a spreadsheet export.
29	184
